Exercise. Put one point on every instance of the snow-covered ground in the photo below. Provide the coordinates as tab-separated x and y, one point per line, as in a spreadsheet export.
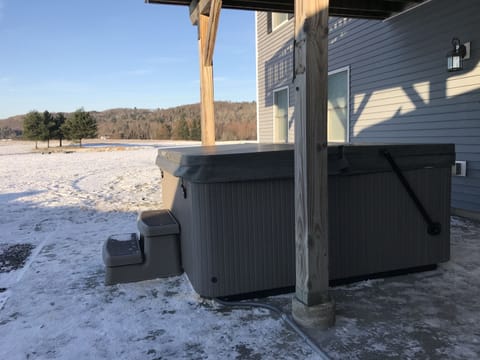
55	305
57	209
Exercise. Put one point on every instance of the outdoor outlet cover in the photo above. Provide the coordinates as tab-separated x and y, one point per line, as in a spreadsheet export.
467	47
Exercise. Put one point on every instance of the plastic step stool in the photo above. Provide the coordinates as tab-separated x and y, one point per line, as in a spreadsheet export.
121	250
161	244
155	254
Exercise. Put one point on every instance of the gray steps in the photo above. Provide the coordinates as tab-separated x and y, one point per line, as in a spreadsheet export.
123	249
155	254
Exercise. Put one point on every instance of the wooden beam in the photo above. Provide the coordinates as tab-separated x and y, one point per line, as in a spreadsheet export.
311	174
198	7
370	9
206	86
193	8
208	12
204	7
213	19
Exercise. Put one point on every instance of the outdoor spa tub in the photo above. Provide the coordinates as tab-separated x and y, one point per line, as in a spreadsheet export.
389	210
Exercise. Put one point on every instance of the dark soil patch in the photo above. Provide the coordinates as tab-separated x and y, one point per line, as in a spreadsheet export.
13	257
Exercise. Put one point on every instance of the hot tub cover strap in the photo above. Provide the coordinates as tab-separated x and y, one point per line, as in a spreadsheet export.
433	228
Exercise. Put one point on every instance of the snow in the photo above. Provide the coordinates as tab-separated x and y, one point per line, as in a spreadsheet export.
54	304
57	307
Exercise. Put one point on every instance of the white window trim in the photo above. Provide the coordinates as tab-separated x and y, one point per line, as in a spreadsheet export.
279	25
273	112
336	71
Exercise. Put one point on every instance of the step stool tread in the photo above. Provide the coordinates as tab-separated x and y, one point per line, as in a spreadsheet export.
157	223
120	250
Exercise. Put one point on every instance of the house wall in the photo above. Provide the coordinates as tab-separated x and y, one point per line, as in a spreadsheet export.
400	90
275	67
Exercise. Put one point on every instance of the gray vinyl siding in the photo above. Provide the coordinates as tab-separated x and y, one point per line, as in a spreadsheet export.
275	63
400	90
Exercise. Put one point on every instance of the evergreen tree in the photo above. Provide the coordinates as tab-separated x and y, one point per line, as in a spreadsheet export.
34	127
59	120
80	125
49	123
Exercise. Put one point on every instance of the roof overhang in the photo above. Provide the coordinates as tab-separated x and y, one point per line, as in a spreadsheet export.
367	9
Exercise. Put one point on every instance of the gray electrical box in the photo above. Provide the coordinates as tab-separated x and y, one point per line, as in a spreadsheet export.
459	168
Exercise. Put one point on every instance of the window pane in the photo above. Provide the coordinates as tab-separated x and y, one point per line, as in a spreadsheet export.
278	19
280	115
338	107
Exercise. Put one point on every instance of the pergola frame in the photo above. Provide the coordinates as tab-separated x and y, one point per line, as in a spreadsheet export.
368	9
312	305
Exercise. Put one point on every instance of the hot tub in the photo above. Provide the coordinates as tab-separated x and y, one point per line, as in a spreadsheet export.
235	206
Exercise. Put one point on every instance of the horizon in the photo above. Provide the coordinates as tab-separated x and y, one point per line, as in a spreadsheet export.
109	55
125	108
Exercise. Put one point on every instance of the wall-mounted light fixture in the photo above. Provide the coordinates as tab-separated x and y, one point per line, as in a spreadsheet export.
456	56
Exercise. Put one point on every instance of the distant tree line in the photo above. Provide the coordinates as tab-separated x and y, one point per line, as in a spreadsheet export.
11	128
7	132
46	126
233	121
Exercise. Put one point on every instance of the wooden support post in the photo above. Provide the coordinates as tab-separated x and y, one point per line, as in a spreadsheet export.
312	305
213	17
207	31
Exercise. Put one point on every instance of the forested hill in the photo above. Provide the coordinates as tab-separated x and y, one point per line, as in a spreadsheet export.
233	121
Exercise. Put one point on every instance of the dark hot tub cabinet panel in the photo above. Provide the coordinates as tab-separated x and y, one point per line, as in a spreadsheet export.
235	206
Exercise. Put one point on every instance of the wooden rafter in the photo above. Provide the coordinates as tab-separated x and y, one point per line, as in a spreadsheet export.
369	9
199	7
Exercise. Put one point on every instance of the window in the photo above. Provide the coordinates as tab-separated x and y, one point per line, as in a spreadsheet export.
338	105
278	19
275	20
280	115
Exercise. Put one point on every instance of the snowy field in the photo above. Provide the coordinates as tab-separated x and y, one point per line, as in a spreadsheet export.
57	209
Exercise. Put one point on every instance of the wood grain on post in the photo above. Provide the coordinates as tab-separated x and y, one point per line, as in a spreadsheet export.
311	176
206	85
213	20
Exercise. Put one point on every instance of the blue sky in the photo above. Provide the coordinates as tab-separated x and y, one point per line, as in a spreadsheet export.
59	55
